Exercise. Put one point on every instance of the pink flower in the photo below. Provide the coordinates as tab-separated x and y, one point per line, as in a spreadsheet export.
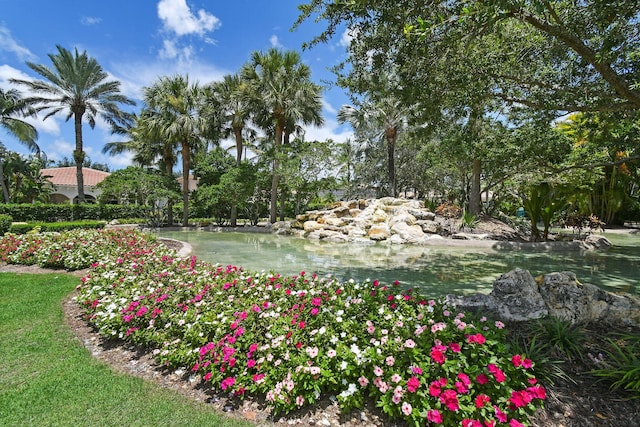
520	398
390	360
251	363
363	382
437	356
538	392
413	384
416	370
258	378
482	379
455	347
497	372
299	400
409	343
434	389
396	378
449	398
378	371
471	423
481	400
316	301
501	416
207	376
516	360
515	423
434	416
314	311
527	363
406	408
396	398
476	339
499	325
331	353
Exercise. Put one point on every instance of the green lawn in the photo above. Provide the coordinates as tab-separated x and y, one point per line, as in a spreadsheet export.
48	379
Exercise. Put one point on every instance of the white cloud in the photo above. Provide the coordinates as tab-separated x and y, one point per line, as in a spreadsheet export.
7	43
90	20
178	18
134	76
330	130
328	107
274	41
347	37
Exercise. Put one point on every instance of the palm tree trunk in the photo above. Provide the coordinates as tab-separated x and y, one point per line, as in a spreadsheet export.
78	155
186	163
234	208
273	211
169	172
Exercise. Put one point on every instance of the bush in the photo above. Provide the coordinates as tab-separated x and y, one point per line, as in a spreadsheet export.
22	228
5	223
62	212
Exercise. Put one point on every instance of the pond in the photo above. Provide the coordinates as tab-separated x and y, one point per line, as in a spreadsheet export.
436	270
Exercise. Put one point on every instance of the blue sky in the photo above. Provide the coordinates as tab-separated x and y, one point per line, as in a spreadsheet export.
137	41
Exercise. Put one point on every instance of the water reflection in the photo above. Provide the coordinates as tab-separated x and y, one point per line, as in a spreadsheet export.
441	270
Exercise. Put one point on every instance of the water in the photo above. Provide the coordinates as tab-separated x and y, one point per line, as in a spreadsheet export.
436	270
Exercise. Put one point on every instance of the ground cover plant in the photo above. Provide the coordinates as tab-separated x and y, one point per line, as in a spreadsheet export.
294	339
47	378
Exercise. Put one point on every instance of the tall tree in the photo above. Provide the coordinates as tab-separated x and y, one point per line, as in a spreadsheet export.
387	116
235	108
177	108
78	87
284	96
11	105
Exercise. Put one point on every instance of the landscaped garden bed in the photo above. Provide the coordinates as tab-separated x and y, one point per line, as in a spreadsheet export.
295	341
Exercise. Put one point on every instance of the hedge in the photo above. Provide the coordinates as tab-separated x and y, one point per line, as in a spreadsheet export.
25	227
68	212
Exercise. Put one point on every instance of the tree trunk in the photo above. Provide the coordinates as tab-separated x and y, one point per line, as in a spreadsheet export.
391	134
475	196
78	155
169	172
273	211
238	135
186	163
3	183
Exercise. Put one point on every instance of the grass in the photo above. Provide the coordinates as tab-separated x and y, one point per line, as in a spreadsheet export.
48	379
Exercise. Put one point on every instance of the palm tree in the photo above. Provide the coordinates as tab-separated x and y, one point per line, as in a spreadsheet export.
77	86
284	96
11	105
148	149
387	116
235	109
178	116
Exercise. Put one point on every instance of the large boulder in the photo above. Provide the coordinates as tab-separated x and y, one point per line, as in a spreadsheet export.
517	296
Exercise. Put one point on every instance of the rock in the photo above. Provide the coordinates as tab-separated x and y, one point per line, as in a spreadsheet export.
310	226
379	232
402	216
516	297
429	226
408	233
281	227
593	241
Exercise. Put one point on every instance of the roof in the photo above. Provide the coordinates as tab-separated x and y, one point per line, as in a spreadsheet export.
67	176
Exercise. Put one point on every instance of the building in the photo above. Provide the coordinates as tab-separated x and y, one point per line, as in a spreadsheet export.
65	183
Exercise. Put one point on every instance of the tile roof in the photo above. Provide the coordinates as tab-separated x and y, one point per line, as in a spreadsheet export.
67	176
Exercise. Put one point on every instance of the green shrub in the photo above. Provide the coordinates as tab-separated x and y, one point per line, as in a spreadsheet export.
562	336
621	366
23	228
5	223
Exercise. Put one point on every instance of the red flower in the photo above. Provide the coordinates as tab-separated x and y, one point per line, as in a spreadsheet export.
520	398
482	379
449	398
516	360
413	384
434	416
538	392
437	356
481	400
476	339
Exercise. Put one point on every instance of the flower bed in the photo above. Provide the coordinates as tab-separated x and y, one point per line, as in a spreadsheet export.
294	339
